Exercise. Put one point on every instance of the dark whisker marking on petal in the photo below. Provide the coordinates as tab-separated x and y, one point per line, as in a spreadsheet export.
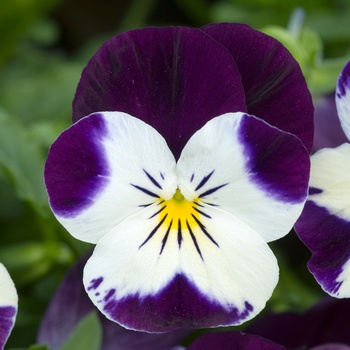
211	190
161	209
192	177
162	201
200	205
204	230
161	175
202	213
145	205
145	190
194	240
165	238
204	180
212	204
153	180
179	234
153	231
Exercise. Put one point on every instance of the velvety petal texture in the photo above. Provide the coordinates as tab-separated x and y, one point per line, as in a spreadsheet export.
173	78
274	85
233	341
176	79
8	305
178	245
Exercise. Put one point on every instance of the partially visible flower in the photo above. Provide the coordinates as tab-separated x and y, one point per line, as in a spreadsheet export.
324	226
323	327
8	305
180	194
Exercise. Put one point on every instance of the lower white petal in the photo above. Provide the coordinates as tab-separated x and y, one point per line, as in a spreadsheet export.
207	271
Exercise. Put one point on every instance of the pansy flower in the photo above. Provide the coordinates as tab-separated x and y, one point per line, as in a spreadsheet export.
324	226
8	305
179	185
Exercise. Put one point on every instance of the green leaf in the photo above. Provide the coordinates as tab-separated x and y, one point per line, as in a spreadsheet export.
86	335
38	347
16	17
22	163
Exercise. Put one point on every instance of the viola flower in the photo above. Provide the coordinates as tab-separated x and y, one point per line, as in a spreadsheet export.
325	223
177	185
8	305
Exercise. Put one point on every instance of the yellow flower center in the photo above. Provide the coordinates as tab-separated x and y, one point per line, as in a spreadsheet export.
180	213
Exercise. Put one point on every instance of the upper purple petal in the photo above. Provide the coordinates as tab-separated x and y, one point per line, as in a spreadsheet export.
327	322
71	303
173	78
273	82
233	341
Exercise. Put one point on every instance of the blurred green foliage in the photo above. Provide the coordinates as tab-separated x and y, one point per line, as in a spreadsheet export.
37	84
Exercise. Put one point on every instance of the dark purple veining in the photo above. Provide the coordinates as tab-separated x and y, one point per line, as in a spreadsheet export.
173	78
178	305
94	284
76	168
276	161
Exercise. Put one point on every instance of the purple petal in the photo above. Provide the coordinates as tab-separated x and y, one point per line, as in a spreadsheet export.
274	85
327	237
7	320
76	168
175	79
325	323
70	304
233	341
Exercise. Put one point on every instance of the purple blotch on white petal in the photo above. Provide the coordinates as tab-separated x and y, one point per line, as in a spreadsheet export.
76	168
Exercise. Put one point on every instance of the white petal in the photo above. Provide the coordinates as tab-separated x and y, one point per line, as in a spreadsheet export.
330	169
8	292
225	260
139	169
216	165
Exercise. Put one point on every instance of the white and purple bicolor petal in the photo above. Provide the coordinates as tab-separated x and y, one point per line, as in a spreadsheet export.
8	305
179	244
324	226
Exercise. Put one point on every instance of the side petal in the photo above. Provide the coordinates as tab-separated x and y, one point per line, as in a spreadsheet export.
233	341
343	99
8	305
173	78
324	225
155	274
105	168
273	82
244	166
